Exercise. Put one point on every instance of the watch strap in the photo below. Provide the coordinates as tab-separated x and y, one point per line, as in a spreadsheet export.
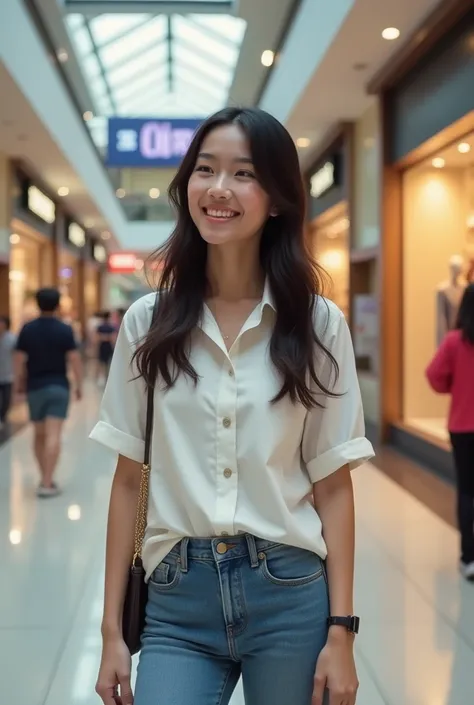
351	623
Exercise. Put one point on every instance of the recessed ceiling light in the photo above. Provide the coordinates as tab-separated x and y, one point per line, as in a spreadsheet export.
303	142
120	193
268	57
154	193
105	235
88	115
62	55
14	239
464	147
391	33
438	162
63	191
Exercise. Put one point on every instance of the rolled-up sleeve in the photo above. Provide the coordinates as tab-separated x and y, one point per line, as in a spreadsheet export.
122	418
334	435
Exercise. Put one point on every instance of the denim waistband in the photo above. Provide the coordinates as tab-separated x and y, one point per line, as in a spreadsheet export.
221	549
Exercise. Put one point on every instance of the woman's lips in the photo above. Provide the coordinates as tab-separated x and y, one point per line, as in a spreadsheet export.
220	215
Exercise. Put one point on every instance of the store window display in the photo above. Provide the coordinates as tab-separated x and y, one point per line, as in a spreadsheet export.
329	237
438	259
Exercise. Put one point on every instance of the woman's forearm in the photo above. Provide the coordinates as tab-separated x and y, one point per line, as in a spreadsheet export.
334	502
120	541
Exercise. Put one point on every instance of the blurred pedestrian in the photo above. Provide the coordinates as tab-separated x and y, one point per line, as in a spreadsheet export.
7	346
45	347
106	335
452	372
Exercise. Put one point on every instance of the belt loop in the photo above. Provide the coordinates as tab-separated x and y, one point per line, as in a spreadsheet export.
252	546
184	554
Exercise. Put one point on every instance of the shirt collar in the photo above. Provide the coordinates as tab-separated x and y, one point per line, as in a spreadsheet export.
267	298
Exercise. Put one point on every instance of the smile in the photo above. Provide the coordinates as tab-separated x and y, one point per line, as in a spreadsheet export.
220	213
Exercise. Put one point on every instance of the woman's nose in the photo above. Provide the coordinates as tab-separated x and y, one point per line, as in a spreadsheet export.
219	192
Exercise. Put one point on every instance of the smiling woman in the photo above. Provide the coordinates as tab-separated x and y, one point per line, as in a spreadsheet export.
250	375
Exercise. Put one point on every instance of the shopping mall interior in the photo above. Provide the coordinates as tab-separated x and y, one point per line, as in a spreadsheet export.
100	101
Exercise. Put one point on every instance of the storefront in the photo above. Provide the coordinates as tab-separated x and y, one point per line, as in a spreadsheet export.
329	216
93	272
71	271
428	239
32	252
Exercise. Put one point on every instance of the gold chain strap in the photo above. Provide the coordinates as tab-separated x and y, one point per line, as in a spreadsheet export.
142	511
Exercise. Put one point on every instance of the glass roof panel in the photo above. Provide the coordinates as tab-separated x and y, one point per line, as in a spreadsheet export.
155	57
156	65
105	28
155	30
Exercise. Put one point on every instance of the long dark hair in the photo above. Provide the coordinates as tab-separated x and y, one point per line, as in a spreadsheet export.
293	276
466	315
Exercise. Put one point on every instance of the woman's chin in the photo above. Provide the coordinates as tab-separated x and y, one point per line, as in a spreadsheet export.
213	237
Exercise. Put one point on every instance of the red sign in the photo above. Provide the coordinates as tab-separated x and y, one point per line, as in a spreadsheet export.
122	263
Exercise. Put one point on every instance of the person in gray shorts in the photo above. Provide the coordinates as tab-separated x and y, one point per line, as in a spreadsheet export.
44	349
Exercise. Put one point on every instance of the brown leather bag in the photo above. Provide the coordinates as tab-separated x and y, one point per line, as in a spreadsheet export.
136	596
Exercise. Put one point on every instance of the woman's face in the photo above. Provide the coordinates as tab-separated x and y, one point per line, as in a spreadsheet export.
226	202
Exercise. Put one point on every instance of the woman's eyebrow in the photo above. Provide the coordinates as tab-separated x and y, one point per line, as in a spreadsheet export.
240	160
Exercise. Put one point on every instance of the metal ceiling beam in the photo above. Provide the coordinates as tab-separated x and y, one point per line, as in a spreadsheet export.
169	40
150	83
123	35
103	73
93	8
199	72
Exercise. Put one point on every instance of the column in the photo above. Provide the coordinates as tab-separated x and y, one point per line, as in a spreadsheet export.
5	221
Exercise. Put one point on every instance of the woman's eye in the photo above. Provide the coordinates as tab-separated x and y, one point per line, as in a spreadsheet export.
204	168
247	174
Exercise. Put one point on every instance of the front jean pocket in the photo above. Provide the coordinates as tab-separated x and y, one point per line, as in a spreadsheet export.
290	567
167	574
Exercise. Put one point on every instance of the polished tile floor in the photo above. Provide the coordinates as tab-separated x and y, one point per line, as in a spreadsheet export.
416	646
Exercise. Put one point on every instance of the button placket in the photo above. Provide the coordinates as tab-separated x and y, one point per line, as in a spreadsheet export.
226	460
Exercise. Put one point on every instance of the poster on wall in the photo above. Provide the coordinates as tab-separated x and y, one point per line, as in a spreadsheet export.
366	328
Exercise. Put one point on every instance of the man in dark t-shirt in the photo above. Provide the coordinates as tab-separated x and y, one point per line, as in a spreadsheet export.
44	348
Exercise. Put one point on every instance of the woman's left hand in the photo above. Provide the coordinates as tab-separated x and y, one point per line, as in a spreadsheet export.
336	671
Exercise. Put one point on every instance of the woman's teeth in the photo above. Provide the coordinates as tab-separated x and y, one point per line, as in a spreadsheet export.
220	213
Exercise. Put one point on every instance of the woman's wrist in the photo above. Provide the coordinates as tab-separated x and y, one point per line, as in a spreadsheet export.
340	635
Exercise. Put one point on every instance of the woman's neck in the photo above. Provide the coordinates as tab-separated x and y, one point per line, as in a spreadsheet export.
234	272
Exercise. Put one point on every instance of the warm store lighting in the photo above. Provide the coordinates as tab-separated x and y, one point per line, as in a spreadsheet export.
464	147
62	55
268	57
438	162
390	33
63	191
105	235
88	115
14	239
154	193
303	142
120	193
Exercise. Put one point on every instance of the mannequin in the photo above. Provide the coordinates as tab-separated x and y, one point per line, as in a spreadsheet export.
448	298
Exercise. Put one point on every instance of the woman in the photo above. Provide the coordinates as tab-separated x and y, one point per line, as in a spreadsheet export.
256	405
452	372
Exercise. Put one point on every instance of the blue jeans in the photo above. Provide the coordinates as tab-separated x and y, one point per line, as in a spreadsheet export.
221	608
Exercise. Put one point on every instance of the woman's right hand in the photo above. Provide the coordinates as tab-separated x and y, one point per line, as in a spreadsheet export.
115	672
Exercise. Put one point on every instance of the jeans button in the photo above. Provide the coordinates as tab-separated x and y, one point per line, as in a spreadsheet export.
221	548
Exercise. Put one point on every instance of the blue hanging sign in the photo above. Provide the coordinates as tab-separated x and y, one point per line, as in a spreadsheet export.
141	142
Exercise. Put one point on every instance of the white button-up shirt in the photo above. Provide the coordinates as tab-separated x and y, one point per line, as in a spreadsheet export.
224	459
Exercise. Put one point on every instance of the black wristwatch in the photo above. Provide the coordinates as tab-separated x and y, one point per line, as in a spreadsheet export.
351	623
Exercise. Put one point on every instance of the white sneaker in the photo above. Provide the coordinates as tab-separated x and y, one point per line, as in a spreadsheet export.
52	491
467	570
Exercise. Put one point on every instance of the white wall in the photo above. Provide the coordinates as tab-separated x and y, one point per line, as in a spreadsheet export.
311	35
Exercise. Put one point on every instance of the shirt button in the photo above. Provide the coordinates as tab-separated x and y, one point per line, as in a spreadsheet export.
226	422
227	473
231	373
